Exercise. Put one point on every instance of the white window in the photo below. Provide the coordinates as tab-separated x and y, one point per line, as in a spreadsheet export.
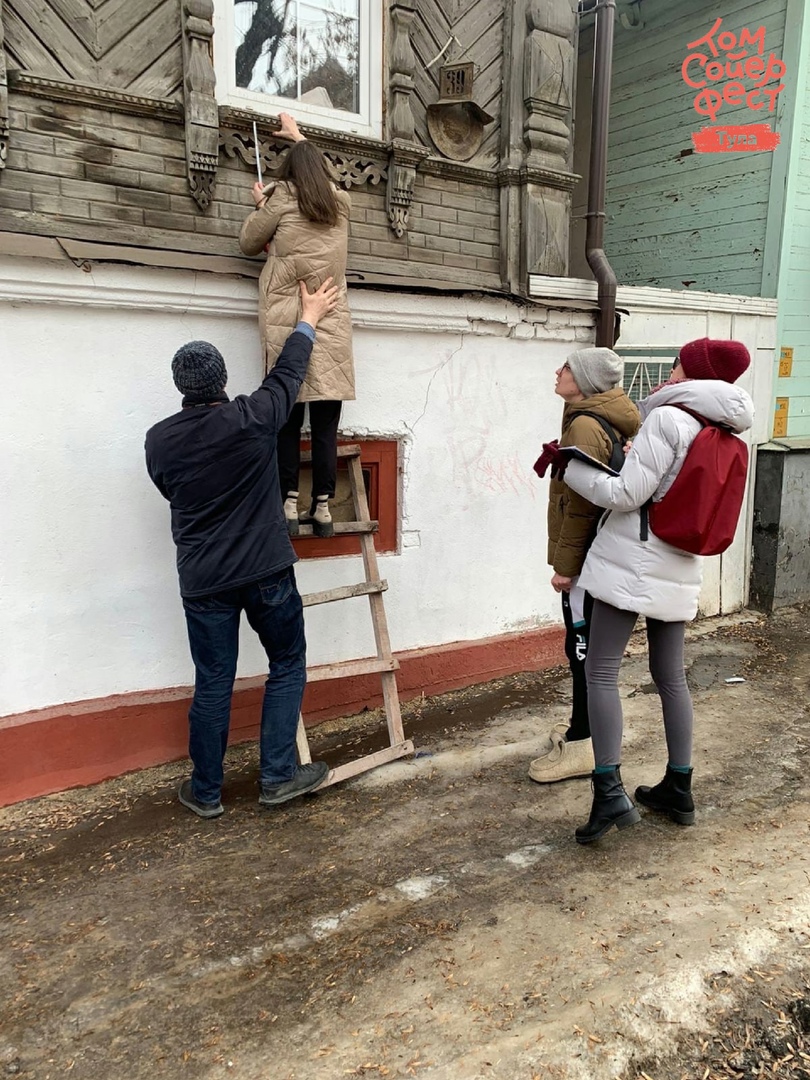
320	60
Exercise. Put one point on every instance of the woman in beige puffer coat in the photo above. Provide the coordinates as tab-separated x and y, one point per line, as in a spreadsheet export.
303	222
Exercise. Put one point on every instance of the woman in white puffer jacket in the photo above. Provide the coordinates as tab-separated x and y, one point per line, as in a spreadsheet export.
629	576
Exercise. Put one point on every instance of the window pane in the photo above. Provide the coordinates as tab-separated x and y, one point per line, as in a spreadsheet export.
293	49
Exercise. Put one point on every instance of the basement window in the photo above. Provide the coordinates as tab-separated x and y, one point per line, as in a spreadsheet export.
379	460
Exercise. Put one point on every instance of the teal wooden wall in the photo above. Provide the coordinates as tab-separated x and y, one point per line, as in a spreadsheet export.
793	322
677	219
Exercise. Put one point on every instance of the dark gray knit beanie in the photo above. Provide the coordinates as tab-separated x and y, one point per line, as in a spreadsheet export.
198	368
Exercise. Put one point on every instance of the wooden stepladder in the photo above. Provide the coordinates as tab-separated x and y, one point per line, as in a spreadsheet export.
384	663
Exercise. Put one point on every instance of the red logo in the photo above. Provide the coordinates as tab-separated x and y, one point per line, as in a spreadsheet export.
732	70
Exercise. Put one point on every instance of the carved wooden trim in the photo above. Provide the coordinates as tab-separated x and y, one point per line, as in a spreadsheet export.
4	129
202	115
82	94
548	64
406	157
359	160
405	154
562	181
241	120
456	170
351	170
402	64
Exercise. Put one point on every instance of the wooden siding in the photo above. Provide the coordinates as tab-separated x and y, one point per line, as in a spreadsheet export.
677	219
83	169
131	45
478	25
793	324
85	172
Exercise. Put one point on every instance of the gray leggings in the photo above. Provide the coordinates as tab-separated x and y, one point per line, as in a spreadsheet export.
610	633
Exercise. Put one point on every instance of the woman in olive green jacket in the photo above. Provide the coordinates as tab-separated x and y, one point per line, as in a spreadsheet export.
588	382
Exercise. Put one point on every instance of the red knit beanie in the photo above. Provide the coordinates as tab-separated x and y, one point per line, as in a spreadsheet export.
709	359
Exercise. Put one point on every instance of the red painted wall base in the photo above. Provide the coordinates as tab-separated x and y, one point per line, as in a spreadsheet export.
82	743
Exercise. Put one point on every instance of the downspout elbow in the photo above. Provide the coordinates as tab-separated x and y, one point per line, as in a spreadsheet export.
606	282
602	270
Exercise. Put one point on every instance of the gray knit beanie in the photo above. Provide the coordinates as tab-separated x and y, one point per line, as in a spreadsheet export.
595	370
198	369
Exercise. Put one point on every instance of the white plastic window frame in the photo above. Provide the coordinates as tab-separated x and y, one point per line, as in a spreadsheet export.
368	121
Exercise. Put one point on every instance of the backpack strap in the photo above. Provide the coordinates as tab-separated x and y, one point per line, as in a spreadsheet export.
695	416
702	419
605	425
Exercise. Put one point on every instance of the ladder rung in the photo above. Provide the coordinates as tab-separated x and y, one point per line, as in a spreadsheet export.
344	592
343	528
344	668
370	761
350	450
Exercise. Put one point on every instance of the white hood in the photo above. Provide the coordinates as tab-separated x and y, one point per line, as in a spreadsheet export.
719	401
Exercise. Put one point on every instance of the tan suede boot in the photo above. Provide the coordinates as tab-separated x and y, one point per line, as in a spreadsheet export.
564	761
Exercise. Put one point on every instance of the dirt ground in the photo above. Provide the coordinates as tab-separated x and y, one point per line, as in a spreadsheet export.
435	919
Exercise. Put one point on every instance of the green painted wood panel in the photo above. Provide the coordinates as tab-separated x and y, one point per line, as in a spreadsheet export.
674	216
793	321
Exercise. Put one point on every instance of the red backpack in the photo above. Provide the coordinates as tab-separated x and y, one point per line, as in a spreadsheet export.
700	511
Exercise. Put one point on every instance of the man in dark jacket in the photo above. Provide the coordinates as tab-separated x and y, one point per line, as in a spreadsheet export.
215	462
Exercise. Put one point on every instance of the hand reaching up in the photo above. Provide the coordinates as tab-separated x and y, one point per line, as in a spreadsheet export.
289	129
317	304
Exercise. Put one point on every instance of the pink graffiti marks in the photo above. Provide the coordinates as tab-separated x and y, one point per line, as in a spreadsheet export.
730	69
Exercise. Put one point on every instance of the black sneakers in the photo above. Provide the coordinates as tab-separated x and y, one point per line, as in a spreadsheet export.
307	778
201	809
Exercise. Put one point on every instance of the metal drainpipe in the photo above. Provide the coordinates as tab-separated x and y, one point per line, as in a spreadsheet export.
597	177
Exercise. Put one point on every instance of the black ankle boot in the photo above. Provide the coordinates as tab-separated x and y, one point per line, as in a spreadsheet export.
672	796
611	806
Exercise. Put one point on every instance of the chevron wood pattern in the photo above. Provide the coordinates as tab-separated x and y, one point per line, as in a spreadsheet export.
478	25
131	45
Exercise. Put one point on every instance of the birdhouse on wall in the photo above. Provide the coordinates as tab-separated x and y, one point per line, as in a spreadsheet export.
456	124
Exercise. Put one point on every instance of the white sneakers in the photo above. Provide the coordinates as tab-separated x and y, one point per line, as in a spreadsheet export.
561	760
291	512
321	518
318	516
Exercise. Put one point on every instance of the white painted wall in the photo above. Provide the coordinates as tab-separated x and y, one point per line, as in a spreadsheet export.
89	604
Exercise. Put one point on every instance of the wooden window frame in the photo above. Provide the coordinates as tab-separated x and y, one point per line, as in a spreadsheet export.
379	460
367	122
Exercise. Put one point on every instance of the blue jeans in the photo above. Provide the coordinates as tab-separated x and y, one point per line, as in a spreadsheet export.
274	610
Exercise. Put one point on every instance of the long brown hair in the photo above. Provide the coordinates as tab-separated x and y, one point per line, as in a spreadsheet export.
306	167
